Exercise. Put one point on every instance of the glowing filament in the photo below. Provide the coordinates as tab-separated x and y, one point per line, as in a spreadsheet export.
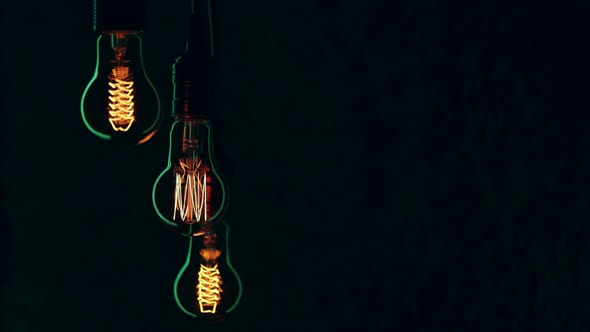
209	289
190	191
121	106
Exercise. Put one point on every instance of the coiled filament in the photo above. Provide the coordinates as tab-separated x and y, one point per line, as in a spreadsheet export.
209	288
121	106
190	190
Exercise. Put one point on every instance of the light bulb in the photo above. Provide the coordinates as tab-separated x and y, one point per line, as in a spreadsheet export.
190	194
120	102
207	285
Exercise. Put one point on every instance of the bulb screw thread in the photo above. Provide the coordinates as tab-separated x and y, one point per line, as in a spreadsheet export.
193	88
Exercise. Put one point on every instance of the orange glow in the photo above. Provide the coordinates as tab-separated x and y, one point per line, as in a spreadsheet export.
210	254
209	289
190	191
147	138
121	105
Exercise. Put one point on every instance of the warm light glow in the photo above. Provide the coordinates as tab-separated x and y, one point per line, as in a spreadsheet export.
190	190
210	254
209	289
121	105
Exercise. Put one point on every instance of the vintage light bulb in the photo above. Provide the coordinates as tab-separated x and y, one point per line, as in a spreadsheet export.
120	103
208	285
190	194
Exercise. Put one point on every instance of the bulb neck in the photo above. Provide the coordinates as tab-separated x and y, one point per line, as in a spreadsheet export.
191	117
117	16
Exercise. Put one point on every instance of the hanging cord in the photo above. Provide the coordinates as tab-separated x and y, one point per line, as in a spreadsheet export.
229	265
210	24
210	15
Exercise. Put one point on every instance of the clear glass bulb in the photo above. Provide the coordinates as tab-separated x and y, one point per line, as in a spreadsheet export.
190	194
120	102
208	285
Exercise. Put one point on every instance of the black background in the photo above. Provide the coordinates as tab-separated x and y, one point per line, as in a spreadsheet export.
394	165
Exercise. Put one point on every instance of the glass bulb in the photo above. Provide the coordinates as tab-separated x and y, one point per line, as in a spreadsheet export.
190	194
120	102
207	285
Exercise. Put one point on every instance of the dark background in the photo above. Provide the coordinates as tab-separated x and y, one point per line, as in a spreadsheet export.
394	165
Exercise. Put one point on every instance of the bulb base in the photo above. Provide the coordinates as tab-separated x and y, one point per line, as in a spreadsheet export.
194	80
